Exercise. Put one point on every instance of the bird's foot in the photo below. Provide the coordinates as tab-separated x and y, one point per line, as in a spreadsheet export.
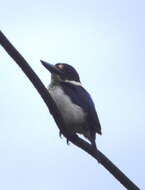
70	135
67	140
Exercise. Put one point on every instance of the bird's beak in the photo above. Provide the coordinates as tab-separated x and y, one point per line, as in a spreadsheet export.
51	68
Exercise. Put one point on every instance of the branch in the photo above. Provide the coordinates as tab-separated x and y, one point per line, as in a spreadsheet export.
116	172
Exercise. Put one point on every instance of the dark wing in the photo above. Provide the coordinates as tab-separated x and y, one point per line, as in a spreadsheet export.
83	99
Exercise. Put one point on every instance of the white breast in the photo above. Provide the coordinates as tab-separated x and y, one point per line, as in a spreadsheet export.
71	113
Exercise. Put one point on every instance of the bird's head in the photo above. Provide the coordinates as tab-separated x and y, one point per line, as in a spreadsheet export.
62	72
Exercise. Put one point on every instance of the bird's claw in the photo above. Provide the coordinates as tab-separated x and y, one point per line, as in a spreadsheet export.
67	140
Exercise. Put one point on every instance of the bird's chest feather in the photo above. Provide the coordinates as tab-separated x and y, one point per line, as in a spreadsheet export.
71	113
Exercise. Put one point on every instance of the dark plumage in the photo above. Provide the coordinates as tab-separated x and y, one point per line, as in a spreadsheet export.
83	99
73	101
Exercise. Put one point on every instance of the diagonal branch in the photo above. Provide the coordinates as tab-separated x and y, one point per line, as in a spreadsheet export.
116	172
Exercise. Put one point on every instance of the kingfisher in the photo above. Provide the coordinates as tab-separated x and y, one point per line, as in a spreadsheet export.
73	101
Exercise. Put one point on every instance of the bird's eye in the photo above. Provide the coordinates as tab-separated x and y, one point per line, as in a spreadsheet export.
61	66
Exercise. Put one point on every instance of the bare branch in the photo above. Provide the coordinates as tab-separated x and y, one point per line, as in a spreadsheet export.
116	172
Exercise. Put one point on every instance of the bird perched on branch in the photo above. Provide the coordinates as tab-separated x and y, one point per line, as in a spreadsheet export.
73	101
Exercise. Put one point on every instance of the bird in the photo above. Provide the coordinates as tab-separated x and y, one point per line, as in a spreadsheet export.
73	101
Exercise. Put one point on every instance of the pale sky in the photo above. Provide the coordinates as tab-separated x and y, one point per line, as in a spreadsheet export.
105	41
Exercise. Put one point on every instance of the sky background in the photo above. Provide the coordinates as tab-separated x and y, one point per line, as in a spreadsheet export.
105	41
